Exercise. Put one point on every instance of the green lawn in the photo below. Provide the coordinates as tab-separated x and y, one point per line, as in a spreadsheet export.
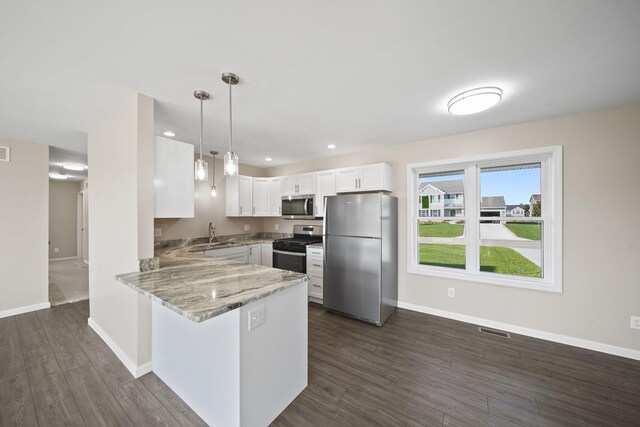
441	229
493	259
526	230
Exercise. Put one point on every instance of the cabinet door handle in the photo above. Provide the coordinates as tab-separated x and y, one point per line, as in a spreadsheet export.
254	210
356	183
240	209
317	286
279	209
316	265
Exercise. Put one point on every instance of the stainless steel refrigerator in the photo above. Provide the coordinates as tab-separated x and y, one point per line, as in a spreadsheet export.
361	256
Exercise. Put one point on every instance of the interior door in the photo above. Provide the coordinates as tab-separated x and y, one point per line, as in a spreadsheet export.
352	268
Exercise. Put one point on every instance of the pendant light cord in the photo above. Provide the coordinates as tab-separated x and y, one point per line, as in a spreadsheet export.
230	121
201	127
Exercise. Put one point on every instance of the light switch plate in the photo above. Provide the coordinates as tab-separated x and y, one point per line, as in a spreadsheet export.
635	322
256	317
247	227
157	232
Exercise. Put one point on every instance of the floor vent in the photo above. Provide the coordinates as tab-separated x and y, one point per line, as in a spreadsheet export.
494	332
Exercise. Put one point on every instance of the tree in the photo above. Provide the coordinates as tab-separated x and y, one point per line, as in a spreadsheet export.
526	208
536	210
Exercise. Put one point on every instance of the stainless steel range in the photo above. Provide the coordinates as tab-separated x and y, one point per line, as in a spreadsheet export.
291	254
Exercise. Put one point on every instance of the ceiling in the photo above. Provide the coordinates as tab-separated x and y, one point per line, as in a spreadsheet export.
359	74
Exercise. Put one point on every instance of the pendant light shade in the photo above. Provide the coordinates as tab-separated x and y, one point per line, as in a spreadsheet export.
201	169
231	158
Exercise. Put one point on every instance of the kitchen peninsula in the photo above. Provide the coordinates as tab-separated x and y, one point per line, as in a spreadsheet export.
229	338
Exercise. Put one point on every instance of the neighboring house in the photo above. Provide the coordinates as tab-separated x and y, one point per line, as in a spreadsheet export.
446	198
533	200
515	210
493	206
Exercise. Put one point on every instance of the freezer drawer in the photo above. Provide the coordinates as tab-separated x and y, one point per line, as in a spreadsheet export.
352	276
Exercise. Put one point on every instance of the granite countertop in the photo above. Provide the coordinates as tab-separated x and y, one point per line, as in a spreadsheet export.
199	287
316	245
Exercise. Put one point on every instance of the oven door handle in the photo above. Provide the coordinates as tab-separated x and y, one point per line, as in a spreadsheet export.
289	253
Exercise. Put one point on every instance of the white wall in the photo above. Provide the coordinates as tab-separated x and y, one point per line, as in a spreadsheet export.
63	205
24	228
120	151
210	209
601	246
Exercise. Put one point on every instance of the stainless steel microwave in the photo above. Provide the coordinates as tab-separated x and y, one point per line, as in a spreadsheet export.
297	207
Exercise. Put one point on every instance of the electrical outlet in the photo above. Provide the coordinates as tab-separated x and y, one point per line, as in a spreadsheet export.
256	317
157	232
56	250
277	227
452	292
247	227
635	322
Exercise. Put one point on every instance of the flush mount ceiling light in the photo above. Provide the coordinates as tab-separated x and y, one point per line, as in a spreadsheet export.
268	159
214	192
201	167
168	133
74	166
474	100
231	158
56	175
331	146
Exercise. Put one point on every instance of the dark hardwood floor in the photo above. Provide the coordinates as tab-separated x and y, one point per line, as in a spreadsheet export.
422	370
417	370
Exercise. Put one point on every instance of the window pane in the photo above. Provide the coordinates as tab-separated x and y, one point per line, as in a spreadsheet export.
511	247
441	243
441	194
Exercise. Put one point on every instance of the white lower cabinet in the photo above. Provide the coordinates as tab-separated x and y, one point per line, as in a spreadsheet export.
315	261
255	254
258	254
267	254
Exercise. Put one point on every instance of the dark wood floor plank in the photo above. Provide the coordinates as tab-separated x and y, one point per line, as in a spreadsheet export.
142	407
152	382
32	334
64	413
185	416
48	385
11	360
64	345
95	401
16	405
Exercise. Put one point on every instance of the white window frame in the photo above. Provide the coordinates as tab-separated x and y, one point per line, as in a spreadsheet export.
550	159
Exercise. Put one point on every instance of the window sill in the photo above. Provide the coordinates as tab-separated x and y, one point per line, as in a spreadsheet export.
487	278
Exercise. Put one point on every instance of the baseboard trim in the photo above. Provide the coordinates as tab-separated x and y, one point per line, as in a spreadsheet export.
62	259
24	309
136	371
549	336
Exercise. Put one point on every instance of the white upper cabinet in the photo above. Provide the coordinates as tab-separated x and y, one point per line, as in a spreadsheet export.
261	205
267	200
293	185
375	177
239	195
325	186
174	188
275	196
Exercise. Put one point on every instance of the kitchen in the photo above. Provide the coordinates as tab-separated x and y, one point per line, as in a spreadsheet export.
498	322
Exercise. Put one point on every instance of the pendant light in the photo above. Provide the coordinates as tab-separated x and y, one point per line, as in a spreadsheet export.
201	170
214	192
231	158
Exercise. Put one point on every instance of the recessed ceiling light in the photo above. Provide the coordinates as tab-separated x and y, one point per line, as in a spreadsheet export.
168	133
474	100
331	146
268	159
56	175
74	166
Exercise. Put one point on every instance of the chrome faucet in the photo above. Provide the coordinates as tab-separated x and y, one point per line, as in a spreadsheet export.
212	233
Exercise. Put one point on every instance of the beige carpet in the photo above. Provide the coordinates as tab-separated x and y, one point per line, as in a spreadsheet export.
68	281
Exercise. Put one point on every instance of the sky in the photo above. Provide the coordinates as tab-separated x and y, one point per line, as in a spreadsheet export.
516	186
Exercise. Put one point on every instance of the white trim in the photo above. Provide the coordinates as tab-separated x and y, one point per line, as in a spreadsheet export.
551	185
136	370
534	333
24	309
62	259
